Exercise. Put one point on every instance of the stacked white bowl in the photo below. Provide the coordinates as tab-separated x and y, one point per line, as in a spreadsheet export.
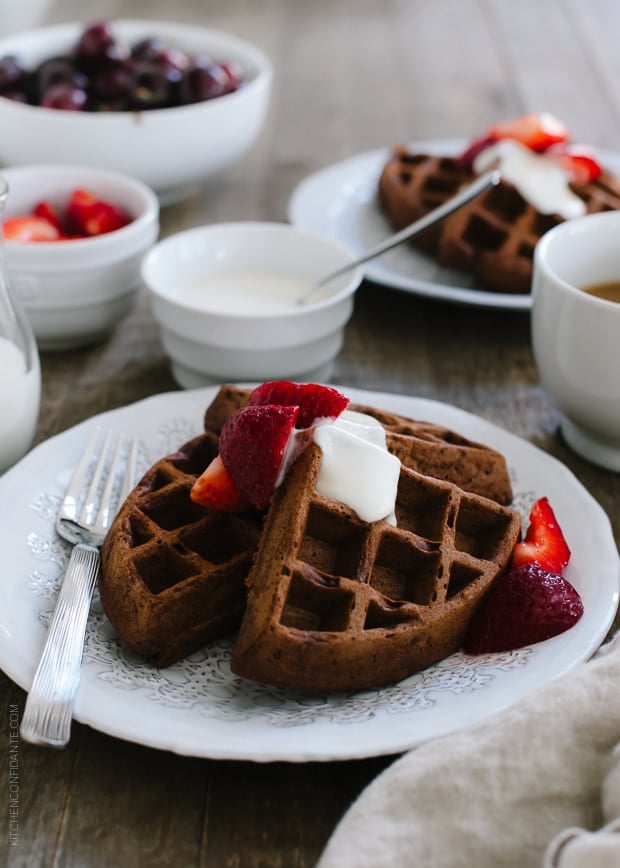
76	291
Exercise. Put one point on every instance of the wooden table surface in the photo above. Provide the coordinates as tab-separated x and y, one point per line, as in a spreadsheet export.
350	76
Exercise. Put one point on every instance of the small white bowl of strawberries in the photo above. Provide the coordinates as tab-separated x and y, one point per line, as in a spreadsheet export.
74	238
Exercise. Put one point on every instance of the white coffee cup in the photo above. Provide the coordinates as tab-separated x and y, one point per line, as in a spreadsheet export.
576	335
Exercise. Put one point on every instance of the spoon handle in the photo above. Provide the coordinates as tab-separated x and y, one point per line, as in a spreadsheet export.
453	204
472	190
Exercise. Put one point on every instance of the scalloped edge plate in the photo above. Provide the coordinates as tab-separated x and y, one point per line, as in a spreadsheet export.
197	707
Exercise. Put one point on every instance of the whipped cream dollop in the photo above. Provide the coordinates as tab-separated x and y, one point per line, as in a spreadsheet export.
539	179
356	467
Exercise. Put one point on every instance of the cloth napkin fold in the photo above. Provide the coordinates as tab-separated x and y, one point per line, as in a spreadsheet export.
534	786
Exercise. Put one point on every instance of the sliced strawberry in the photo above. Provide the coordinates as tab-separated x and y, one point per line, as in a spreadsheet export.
578	160
467	158
535	131
46	211
544	542
253	442
79	204
215	489
314	401
90	216
524	606
29	228
103	217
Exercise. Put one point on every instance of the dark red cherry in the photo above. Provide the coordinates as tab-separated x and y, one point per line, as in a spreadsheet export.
64	96
114	81
58	70
11	71
202	80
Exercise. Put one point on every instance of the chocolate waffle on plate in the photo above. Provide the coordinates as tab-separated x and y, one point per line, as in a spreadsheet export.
494	235
172	573
335	603
387	600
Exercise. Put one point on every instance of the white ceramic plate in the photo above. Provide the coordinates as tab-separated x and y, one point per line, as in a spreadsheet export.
198	707
340	201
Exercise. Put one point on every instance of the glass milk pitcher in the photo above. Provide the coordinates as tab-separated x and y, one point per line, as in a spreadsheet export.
20	374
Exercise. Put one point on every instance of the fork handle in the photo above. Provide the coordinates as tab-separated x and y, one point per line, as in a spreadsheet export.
49	706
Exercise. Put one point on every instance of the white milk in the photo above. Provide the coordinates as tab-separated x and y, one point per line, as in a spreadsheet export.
20	396
245	292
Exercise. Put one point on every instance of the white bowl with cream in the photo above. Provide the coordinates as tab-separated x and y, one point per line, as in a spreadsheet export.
225	297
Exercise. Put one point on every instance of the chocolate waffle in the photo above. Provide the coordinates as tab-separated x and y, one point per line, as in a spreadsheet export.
173	573
492	237
336	604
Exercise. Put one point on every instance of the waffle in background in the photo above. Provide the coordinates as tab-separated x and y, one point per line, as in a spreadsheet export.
493	236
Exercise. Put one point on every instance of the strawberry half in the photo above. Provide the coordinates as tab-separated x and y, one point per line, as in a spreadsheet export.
46	211
535	131
467	158
89	216
253	443
538	132
29	228
314	401
78	206
544	542
578	161
215	489
103	217
524	606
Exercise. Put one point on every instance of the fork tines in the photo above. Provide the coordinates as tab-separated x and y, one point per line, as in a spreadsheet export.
102	480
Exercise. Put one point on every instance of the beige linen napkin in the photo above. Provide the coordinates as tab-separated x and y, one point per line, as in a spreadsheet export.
537	784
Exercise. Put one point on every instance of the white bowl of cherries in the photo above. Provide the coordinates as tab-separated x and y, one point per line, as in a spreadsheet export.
167	103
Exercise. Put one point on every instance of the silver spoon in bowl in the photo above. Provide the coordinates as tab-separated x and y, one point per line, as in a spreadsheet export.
489	179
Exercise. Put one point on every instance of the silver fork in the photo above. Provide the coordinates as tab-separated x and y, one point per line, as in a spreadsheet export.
100	484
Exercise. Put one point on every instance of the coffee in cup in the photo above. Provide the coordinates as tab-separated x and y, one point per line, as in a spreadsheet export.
576	331
610	290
